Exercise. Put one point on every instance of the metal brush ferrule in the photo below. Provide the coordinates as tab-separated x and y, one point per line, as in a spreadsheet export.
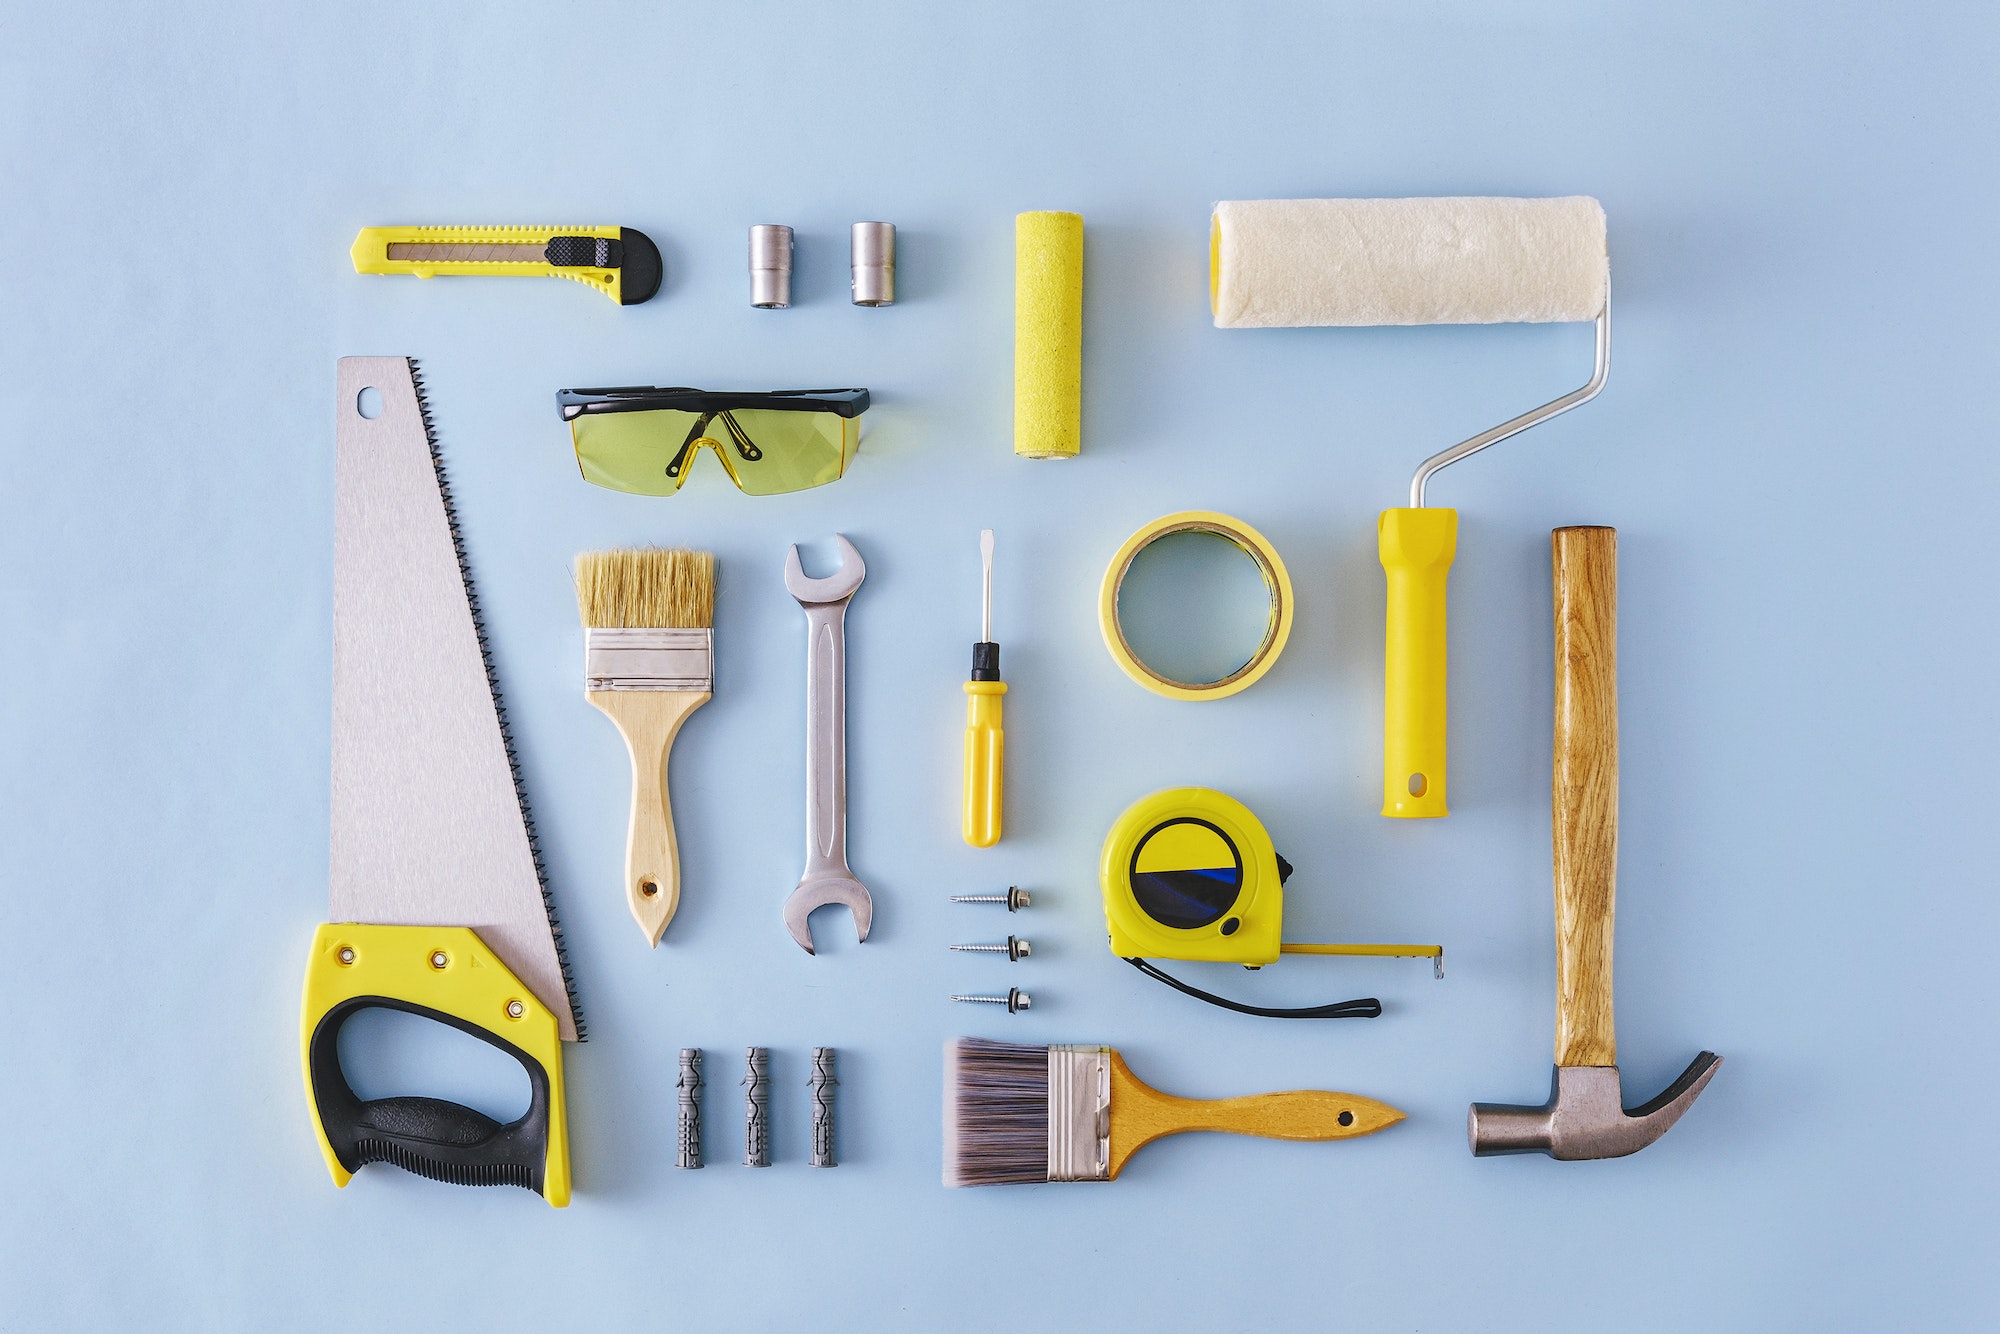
648	659
1079	1113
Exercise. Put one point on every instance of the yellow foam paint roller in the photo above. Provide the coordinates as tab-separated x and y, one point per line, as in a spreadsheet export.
1288	263
1048	335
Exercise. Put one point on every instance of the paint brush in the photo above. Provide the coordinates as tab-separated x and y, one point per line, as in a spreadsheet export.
649	644
1016	1113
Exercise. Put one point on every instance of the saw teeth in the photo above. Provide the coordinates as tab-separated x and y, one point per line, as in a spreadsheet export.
499	708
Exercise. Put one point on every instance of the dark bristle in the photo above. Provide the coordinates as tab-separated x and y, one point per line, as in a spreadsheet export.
996	1109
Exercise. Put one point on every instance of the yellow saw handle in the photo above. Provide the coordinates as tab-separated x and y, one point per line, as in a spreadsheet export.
985	744
446	974
1416	547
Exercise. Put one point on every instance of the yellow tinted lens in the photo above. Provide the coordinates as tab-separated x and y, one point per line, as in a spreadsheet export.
770	451
630	451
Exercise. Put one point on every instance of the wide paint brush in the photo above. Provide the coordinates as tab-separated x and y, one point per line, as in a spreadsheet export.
648	619
1019	1114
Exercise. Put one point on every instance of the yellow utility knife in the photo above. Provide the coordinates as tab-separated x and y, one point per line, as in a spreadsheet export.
621	263
438	903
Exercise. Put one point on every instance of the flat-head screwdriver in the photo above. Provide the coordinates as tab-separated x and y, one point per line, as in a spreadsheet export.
984	739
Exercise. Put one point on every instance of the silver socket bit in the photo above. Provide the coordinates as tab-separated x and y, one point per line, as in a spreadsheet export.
822	1084
770	266
688	1153
1016	1000
873	246
757	1107
1015	949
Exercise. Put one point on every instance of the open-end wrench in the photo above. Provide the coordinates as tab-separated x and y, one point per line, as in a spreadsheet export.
827	879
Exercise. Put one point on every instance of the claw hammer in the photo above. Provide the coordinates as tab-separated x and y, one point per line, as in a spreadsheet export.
1585	1116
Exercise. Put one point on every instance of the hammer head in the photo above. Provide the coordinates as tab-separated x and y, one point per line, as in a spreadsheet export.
1584	1116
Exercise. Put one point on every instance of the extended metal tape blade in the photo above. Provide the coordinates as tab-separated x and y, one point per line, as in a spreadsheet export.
430	825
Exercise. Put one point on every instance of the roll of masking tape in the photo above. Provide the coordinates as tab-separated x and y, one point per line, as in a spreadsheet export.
1048	335
1277	584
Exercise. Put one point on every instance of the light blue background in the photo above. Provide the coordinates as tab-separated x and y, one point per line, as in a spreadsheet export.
1797	446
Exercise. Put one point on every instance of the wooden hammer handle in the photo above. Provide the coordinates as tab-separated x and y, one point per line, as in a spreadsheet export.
1583	796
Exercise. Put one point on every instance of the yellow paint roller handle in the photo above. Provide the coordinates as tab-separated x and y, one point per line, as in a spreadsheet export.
984	753
1416	547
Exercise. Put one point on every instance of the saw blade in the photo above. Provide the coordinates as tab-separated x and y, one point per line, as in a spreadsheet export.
430	823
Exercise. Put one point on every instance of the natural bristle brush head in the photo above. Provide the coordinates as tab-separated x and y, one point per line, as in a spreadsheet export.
646	587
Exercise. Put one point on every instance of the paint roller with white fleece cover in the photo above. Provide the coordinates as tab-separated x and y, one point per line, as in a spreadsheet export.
1288	263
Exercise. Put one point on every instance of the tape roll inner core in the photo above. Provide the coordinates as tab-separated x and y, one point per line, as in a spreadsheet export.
1181	587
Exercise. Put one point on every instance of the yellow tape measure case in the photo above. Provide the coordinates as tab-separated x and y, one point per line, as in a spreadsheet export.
1190	873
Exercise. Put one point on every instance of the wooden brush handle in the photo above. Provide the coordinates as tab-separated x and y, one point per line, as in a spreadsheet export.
649	720
1583	796
1141	1114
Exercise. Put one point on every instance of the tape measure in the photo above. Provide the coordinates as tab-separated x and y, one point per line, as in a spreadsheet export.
1190	873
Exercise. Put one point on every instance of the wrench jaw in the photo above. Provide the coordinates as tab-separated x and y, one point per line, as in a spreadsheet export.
815	892
836	587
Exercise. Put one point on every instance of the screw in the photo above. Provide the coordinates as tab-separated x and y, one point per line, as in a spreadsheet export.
1015	1000
346	954
1015	898
515	1009
440	959
1015	949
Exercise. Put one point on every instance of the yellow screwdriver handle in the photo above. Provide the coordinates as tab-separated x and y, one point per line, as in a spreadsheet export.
1416	547
984	746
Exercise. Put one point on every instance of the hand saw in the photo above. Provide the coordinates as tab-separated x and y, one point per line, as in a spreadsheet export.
438	905
621	263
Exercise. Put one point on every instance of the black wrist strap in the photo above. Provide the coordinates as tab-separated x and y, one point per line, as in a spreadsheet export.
1366	1008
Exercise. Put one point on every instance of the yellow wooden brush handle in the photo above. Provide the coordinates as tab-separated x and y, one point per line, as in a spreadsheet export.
985	749
649	720
1416	547
1141	1114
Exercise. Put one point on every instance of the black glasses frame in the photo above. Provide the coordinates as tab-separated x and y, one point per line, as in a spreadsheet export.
573	403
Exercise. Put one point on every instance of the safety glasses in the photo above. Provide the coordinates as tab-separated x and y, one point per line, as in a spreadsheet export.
645	440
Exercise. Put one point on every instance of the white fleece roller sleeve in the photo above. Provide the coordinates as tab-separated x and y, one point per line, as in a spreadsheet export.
1285	263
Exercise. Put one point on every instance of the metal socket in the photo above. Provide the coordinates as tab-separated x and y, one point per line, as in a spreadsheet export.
874	259
770	266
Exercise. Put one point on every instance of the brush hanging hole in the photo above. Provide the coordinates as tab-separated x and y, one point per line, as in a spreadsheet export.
649	888
1417	785
369	402
1345	1118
